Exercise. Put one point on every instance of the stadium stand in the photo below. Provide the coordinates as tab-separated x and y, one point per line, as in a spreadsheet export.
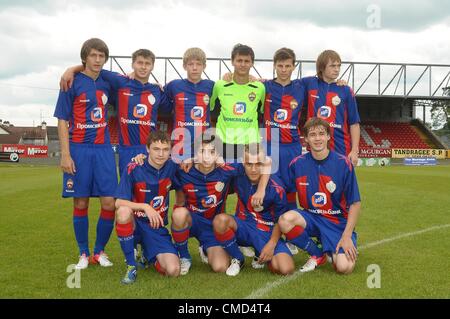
391	135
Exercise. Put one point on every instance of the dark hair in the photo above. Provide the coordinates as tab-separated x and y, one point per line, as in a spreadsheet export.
284	54
254	149
96	44
207	138
146	54
158	136
322	61
242	49
315	122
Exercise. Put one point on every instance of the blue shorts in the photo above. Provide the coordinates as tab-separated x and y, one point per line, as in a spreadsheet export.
156	241
96	173
248	235
202	229
328	232
126	153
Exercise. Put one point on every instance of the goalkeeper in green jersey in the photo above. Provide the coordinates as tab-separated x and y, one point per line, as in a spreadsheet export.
239	101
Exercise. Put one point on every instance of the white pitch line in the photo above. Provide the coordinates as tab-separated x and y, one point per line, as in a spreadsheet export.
284	280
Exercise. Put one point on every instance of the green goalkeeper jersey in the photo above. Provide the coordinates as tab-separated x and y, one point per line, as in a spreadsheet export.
239	107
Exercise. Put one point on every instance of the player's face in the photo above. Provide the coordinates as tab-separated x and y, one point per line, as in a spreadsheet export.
207	156
332	70
284	69
142	68
194	69
242	64
253	166
158	153
317	138
95	61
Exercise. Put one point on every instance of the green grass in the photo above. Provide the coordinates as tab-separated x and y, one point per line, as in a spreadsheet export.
37	245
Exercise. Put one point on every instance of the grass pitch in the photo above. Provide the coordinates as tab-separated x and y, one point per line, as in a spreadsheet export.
38	244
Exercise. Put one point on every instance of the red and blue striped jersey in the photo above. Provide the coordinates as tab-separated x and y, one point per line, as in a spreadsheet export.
327	187
146	184
205	194
190	105
137	107
84	107
274	204
336	105
282	110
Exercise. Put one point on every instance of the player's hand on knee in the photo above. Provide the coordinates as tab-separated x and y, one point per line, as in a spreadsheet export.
155	219
266	253
139	159
349	248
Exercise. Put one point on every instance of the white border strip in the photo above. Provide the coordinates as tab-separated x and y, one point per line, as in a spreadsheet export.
284	280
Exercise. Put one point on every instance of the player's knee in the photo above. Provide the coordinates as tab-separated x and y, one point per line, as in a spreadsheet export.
220	222
173	270
123	214
344	267
81	203
108	203
286	268
286	221
218	266
180	215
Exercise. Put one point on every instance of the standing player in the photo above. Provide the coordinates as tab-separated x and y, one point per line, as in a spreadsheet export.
240	101
87	158
144	191
255	226
189	101
137	101
204	190
328	192
282	109
334	104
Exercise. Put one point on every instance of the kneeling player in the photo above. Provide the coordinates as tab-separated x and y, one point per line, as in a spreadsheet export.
255	226
328	192
203	192
144	191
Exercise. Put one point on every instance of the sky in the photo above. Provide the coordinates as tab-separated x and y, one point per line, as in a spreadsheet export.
40	39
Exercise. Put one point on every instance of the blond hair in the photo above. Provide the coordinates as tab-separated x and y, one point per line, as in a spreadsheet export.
194	54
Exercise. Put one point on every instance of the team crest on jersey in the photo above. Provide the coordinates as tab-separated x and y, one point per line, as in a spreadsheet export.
97	114
219	186
324	112
319	199
104	99
280	115
252	96
331	186
197	112
209	201
239	108
69	184
336	100
293	104
140	110
206	99
157	202
151	99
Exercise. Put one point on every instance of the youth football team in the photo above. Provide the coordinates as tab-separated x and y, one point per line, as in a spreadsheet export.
204	164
